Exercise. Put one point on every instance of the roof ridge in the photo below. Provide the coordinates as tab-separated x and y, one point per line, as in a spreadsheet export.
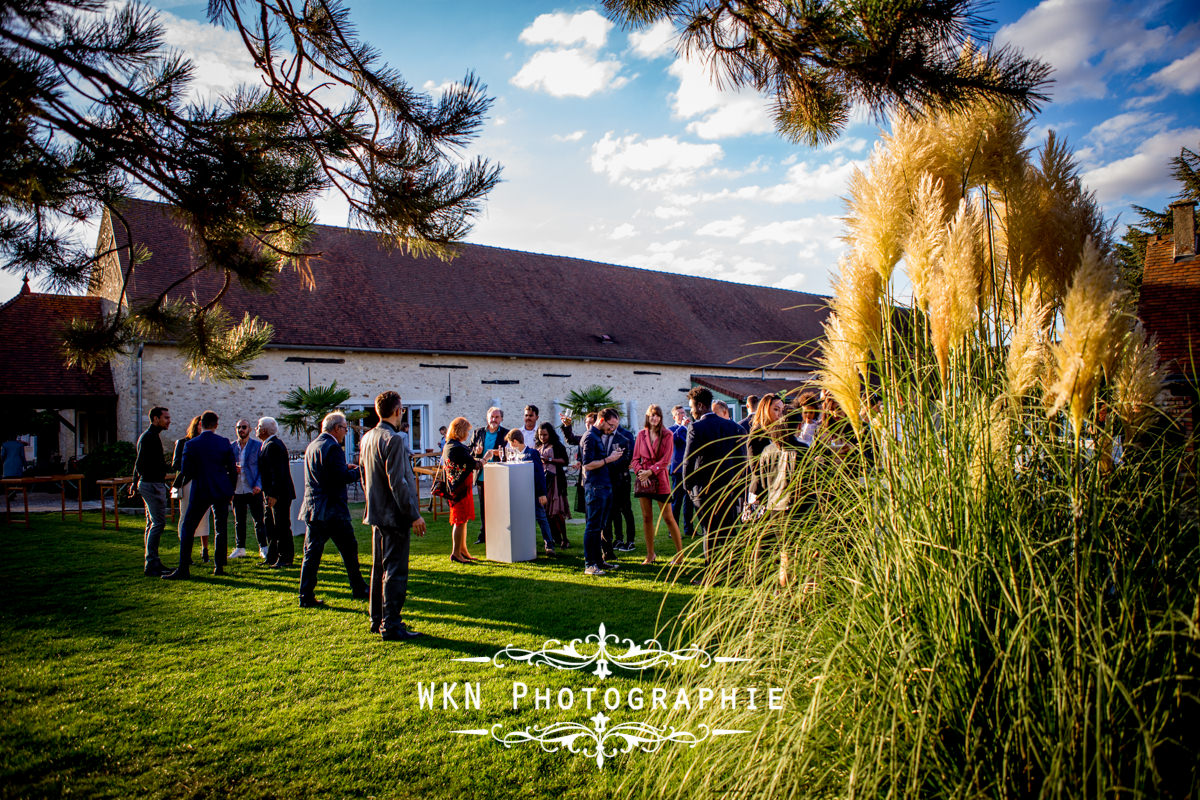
608	264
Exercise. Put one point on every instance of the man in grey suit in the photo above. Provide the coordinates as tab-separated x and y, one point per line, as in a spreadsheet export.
394	513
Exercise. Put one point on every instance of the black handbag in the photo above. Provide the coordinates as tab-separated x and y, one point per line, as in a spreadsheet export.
441	487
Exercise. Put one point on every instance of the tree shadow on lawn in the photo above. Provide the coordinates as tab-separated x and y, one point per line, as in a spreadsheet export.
71	576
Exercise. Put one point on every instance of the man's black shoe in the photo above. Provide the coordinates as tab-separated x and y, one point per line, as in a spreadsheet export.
360	596
400	635
218	570
374	627
480	540
609	566
265	563
176	575
280	565
311	602
155	571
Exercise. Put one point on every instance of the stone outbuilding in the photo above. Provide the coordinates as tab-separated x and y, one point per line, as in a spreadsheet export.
494	327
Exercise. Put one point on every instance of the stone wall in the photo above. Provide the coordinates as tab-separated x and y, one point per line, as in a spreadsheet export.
469	381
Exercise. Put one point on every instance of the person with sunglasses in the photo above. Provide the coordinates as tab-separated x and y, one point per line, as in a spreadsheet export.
248	494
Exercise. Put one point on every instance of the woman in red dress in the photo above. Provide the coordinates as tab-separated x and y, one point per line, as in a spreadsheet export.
460	466
651	467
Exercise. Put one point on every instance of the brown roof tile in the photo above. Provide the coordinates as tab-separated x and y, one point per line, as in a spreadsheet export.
31	361
369	298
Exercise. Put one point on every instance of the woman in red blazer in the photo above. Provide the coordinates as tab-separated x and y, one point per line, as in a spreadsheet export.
651	467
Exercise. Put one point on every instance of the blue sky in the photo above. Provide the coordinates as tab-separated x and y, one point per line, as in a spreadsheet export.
616	149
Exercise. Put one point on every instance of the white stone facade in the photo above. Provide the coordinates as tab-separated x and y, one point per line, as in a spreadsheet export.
542	382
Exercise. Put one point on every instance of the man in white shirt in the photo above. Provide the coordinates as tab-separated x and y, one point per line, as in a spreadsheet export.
528	433
248	493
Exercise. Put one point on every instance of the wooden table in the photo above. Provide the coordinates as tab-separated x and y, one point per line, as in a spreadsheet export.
22	485
435	502
114	486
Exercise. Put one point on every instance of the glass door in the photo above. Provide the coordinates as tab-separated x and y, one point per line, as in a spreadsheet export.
417	418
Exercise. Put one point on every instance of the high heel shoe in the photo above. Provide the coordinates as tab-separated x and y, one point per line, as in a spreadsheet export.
458	560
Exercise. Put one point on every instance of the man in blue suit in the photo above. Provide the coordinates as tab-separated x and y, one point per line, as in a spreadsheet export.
681	501
326	475
714	460
247	495
210	465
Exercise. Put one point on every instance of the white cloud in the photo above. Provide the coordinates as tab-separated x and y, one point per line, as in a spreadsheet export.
587	28
656	41
221	61
726	228
436	89
623	231
723	114
818	231
671	212
654	164
805	183
574	72
1145	100
1086	41
574	136
796	281
1117	128
1182	75
1146	172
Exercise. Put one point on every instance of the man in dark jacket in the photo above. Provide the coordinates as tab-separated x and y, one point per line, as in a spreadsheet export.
326	476
618	535
211	467
275	474
150	480
714	460
393	511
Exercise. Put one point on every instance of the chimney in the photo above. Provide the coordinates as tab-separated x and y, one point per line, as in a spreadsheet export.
1184	219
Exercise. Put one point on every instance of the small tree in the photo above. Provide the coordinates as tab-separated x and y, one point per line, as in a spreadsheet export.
593	398
307	407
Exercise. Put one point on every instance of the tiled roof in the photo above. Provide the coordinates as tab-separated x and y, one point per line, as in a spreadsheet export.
492	301
741	387
31	362
1170	303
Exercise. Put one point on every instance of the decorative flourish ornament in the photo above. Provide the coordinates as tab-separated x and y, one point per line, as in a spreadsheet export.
599	741
637	657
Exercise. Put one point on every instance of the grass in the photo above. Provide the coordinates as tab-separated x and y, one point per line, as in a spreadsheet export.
115	685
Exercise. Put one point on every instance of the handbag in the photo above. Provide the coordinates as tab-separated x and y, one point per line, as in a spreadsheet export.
440	487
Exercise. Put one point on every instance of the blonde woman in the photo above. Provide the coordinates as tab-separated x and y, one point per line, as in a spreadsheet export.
651	467
460	466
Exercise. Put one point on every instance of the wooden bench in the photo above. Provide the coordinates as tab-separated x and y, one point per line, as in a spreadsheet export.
22	485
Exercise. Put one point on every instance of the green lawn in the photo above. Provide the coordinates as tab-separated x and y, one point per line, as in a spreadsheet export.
116	685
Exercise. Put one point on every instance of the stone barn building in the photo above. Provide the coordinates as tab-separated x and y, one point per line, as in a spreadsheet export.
494	327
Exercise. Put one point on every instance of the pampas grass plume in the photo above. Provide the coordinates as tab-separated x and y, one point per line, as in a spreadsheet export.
877	216
926	237
1093	330
856	303
1138	380
1027	351
840	365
